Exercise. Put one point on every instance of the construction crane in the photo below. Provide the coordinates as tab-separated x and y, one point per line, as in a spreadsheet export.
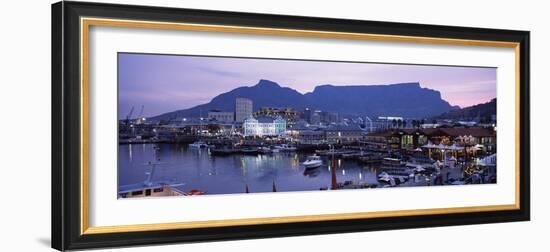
140	112
139	119
129	116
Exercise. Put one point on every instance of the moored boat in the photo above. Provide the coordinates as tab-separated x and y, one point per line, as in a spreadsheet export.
265	150
250	151
313	162
198	145
150	188
285	147
194	192
395	167
221	151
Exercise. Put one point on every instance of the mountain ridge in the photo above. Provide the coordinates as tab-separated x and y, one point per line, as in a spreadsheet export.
481	111
400	99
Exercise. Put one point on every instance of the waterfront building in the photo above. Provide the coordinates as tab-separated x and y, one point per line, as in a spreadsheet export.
410	139
310	136
288	114
332	134
220	116
337	134
264	126
243	109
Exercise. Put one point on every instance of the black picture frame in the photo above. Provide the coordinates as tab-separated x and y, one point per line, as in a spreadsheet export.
66	125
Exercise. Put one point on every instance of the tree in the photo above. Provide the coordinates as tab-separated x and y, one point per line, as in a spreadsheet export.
404	123
394	122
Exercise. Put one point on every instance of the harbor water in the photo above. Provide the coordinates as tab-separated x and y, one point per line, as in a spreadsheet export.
197	169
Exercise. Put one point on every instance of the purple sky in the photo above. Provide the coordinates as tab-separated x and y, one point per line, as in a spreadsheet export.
164	83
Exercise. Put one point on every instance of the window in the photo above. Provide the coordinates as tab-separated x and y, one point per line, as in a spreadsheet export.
422	140
406	141
486	140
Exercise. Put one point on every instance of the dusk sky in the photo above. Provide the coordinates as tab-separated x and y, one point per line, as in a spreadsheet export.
164	83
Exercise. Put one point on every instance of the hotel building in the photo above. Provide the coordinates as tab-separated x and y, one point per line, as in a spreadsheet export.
243	109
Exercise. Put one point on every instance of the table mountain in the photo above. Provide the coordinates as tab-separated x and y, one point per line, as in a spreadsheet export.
404	99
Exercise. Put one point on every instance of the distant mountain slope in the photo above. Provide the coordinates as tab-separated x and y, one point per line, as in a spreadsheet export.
406	99
265	93
482	111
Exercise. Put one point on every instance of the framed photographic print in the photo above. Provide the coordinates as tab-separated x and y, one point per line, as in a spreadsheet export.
179	125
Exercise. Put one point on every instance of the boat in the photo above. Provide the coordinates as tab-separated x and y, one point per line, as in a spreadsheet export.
391	180
395	168
198	145
250	151
384	177
223	151
370	158
313	162
194	192
265	150
156	189
334	152
150	188
285	147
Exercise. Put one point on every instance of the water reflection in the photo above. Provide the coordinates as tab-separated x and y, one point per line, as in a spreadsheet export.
198	169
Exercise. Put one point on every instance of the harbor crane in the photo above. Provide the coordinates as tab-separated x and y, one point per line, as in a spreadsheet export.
129	116
370	123
139	118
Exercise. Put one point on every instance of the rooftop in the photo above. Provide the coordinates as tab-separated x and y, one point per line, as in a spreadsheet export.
455	132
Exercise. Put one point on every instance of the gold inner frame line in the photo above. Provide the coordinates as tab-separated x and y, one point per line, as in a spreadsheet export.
86	23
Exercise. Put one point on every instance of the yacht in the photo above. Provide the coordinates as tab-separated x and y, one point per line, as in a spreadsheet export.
198	144
265	150
285	147
313	162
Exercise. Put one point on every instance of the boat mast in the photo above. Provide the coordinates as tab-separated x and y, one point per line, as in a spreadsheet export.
148	181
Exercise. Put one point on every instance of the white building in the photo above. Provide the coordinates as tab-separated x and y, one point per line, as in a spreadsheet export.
243	109
264	126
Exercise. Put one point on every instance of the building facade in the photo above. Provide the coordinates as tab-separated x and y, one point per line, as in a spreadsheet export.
338	134
409	139
288	114
219	116
264	126
243	109
311	136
